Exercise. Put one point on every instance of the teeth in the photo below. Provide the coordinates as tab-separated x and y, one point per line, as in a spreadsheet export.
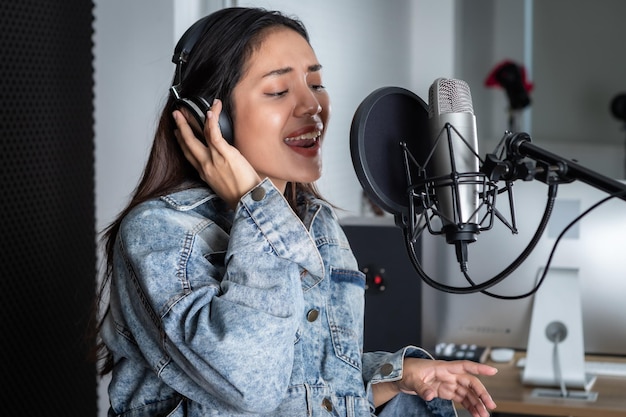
307	136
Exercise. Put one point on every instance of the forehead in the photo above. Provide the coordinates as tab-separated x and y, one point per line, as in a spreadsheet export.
280	47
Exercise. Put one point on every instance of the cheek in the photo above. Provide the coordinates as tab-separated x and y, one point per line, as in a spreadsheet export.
253	123
257	136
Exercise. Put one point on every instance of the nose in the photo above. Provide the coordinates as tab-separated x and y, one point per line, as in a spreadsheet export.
308	104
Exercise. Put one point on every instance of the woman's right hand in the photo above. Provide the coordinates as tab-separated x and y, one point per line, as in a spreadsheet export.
219	164
451	380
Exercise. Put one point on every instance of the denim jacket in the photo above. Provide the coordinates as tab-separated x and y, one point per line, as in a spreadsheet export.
252	312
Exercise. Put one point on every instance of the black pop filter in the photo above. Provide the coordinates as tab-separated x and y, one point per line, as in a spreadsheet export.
386	118
618	106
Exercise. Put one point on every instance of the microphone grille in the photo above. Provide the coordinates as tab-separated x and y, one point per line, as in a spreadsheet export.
449	96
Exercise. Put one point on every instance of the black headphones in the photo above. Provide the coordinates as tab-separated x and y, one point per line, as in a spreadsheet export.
196	107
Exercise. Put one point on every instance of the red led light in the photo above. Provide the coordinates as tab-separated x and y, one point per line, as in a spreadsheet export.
378	280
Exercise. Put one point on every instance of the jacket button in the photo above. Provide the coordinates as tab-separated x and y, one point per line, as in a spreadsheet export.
386	369
258	194
312	315
327	405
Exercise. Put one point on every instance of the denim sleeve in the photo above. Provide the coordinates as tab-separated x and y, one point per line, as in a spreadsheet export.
231	338
384	367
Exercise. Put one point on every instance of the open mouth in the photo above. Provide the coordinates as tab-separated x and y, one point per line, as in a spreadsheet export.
306	140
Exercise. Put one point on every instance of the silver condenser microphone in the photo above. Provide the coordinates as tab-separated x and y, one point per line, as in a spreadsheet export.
453	160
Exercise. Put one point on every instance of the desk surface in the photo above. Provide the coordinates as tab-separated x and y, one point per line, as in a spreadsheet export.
511	396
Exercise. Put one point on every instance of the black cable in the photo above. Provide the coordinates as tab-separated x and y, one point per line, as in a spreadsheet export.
483	287
552	191
556	243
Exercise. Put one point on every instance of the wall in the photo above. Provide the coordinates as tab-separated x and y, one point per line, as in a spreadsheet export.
575	74
578	72
131	73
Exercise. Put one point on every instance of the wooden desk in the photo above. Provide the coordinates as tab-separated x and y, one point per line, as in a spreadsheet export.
511	396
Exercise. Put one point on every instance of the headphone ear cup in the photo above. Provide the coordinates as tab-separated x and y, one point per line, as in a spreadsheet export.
226	127
193	113
195	109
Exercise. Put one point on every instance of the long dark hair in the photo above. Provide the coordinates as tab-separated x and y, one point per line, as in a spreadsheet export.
214	67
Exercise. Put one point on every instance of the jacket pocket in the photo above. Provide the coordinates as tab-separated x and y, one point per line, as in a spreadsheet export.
171	407
346	306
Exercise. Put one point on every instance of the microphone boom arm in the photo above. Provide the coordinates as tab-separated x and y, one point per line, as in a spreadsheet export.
518	146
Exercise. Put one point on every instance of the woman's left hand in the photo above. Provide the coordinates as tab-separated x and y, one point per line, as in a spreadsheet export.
450	380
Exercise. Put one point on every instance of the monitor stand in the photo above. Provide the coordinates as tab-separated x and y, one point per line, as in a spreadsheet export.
556	354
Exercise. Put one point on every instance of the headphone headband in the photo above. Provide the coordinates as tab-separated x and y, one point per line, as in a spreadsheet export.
196	107
187	42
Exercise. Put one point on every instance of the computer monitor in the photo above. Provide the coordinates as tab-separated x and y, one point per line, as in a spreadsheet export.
596	247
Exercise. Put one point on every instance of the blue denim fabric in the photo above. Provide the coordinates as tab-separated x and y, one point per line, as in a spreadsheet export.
256	312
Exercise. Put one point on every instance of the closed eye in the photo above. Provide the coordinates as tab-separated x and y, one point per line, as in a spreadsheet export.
277	93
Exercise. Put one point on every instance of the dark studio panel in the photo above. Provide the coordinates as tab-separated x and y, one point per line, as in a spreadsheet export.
393	294
47	244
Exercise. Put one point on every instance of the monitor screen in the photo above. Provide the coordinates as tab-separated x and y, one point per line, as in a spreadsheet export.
596	247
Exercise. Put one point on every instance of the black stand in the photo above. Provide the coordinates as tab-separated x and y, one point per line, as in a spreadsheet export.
549	168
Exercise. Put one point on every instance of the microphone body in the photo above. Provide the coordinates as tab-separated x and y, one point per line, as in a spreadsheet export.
454	144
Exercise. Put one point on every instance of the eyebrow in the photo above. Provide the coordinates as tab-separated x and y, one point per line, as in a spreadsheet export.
286	70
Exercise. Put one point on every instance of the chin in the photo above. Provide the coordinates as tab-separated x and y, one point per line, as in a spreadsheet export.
312	178
306	176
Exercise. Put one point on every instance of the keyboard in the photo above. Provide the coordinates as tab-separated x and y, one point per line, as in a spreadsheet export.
452	351
606	368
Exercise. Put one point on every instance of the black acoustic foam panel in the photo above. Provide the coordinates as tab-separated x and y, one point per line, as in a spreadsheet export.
47	239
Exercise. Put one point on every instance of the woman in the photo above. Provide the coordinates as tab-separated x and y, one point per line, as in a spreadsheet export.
233	291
